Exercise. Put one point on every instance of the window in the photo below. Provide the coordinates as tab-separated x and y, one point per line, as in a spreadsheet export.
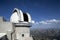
25	17
22	35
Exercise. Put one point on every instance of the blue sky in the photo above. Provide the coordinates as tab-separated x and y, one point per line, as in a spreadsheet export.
38	9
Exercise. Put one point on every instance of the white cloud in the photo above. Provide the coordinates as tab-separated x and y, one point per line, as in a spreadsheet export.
53	20
46	21
32	21
50	21
36	22
43	22
53	23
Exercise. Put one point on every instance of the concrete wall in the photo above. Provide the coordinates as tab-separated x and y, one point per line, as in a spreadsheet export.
6	27
22	30
1	19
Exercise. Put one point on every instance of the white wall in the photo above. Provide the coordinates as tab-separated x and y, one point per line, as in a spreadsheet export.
6	27
22	30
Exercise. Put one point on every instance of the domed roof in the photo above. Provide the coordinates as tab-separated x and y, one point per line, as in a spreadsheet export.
19	16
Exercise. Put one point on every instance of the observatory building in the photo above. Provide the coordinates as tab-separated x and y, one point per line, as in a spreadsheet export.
19	26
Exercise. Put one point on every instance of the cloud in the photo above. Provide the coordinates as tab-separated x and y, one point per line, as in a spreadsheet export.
43	22
32	21
36	22
53	23
49	21
53	20
46	21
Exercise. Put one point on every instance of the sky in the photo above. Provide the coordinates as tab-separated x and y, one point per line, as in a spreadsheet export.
40	10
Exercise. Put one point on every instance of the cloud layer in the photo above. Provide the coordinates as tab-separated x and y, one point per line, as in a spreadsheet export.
46	21
53	23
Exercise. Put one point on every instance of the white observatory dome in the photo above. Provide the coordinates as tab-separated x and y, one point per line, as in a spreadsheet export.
19	16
